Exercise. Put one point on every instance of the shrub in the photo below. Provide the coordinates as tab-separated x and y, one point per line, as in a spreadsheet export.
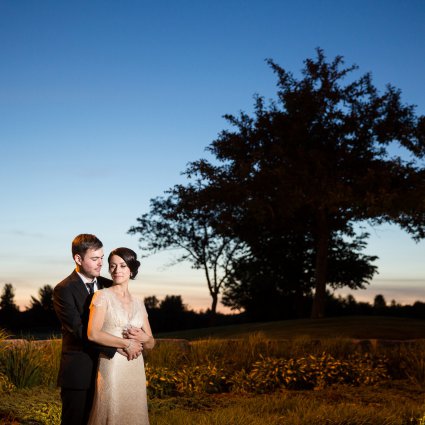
5	385
168	353
228	354
43	413
367	369
160	381
50	361
22	362
269	374
201	379
412	362
189	380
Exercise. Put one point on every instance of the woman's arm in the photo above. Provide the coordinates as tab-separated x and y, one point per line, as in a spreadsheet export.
95	333
143	335
150	341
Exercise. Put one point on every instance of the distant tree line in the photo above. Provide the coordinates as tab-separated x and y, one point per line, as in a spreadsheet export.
39	318
171	314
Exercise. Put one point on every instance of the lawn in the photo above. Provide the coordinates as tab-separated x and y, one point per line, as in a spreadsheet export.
301	385
356	327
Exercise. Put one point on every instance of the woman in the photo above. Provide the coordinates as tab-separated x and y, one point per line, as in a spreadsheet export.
120	320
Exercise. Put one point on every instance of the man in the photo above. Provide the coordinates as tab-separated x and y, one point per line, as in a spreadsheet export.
71	300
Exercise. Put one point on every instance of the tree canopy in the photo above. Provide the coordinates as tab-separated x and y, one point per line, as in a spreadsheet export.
290	182
315	161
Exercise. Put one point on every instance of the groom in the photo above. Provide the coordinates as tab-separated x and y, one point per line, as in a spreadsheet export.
71	300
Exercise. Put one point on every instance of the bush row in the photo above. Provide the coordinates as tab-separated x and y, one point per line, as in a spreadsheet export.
267	375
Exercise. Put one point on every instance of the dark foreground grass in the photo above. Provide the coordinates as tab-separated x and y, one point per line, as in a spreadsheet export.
355	327
394	404
390	403
38	405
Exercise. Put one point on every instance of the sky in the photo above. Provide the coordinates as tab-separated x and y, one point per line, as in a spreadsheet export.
104	103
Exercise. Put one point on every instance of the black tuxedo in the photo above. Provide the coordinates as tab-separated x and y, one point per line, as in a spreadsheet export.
78	365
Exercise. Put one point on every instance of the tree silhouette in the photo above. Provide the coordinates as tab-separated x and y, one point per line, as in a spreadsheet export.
45	301
151	302
279	284
9	311
7	299
379	304
172	223
314	162
41	312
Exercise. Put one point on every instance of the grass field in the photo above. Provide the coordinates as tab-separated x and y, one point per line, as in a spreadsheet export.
355	327
396	400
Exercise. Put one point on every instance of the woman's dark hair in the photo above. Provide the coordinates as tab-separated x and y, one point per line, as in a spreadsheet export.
84	242
130	258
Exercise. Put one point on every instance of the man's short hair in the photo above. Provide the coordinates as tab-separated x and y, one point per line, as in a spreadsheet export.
83	242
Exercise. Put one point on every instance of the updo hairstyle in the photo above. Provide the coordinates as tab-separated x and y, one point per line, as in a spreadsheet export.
130	258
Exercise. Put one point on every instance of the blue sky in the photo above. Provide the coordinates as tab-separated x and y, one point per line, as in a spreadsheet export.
103	103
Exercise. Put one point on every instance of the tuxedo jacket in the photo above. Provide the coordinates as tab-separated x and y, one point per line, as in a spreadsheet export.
79	356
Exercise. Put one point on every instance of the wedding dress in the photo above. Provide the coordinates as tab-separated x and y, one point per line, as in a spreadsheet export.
120	393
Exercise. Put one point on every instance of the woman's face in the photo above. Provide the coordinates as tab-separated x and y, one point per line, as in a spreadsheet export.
119	270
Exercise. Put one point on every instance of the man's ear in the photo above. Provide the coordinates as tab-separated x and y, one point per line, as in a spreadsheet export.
78	259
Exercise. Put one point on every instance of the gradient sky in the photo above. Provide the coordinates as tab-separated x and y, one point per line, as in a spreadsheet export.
103	103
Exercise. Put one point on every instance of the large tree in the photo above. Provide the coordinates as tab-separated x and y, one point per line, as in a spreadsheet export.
315	161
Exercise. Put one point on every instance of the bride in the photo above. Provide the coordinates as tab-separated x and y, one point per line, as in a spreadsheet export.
120	320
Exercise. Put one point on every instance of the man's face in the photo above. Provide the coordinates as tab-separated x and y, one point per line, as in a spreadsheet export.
91	264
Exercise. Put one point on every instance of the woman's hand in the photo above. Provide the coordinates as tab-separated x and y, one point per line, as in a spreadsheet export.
134	349
141	336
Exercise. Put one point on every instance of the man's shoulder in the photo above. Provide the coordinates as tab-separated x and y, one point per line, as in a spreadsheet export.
104	282
69	280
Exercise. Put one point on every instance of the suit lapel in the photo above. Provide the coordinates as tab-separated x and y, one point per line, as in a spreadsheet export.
79	287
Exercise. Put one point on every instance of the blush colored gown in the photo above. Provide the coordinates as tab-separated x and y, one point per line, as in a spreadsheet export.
120	394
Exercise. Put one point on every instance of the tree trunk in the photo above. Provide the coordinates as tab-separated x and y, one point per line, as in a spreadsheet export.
213	314
318	309
299	302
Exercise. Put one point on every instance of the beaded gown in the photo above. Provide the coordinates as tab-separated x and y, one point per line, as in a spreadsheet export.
120	393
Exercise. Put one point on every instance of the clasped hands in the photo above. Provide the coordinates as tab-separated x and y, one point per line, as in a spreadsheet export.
137	337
